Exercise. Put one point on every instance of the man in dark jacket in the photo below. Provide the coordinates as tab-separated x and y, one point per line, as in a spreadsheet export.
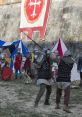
63	80
44	77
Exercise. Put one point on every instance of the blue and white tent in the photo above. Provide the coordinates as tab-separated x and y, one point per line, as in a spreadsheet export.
14	46
17	44
2	43
23	50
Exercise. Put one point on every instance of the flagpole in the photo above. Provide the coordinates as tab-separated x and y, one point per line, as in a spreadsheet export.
33	41
21	36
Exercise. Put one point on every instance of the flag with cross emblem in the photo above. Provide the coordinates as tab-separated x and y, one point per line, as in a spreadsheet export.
34	15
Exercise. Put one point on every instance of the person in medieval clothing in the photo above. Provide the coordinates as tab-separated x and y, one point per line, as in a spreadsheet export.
27	65
63	80
43	80
79	68
17	65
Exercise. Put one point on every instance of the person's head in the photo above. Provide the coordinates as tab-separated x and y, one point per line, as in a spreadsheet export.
6	64
68	57
47	53
3	60
19	53
53	56
67	54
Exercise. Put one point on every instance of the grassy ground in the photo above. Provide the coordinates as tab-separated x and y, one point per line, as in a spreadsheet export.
17	100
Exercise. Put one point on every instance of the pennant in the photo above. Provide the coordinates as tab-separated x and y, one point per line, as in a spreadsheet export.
34	15
60	47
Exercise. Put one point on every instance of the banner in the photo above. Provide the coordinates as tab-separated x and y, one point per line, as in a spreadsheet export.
60	47
34	15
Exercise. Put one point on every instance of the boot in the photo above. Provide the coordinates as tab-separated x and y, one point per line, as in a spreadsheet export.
15	77
66	109
36	105
46	102
57	106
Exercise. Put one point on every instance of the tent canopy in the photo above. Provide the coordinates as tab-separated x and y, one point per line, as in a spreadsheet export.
19	45
13	47
1	43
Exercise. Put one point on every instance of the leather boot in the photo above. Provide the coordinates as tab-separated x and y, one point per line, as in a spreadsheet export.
66	109
46	102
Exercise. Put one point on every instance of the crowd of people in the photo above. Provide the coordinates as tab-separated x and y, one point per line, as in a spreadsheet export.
45	70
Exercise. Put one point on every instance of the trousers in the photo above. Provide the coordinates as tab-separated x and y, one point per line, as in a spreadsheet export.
66	95
43	87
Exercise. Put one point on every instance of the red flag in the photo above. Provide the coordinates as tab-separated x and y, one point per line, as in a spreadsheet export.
59	48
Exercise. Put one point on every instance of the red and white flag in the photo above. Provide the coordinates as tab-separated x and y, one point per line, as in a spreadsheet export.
60	47
34	15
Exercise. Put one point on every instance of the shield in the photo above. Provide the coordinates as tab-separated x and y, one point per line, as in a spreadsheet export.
33	9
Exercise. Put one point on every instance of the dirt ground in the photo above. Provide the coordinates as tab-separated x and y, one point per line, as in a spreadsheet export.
17	100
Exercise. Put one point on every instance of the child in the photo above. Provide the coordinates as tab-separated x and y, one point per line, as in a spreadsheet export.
7	72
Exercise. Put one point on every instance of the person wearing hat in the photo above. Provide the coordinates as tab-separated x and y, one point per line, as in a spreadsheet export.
63	80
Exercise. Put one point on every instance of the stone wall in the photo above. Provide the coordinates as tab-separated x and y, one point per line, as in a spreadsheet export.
65	21
2	2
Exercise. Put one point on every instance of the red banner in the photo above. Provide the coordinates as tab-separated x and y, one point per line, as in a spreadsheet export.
34	15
